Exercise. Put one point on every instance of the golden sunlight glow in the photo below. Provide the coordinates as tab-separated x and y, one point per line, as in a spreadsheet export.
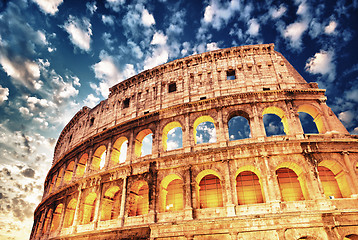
56	218
88	208
99	158
289	185
119	151
70	213
166	129
47	221
111	202
139	141
329	183
201	120
59	177
69	172
138	199
81	166
279	112
248	188
210	192
313	112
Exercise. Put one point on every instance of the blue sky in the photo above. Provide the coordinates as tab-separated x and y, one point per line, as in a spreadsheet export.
57	56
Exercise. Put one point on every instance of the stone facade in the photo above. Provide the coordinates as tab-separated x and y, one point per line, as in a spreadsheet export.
295	186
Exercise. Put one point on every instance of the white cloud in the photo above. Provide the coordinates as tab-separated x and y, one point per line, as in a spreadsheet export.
208	14
79	31
35	103
277	13
91	7
49	6
212	46
107	19
147	18
294	33
322	63
91	101
159	38
330	28
254	27
159	56
25	112
4	93
115	5
346	117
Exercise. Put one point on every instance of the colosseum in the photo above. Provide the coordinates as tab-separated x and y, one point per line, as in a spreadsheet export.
115	175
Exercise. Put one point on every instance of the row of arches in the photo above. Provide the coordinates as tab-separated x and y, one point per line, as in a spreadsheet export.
204	128
209	192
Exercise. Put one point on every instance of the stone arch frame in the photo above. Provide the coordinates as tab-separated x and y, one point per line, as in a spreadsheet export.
163	190
87	212
70	212
280	113
56	217
47	221
52	184
201	119
200	176
61	171
110	203
167	127
132	197
299	171
241	113
256	171
116	150
97	157
339	172
138	141
350	237
69	172
315	113
82	163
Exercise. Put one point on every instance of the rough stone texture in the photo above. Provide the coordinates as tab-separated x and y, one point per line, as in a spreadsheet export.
264	83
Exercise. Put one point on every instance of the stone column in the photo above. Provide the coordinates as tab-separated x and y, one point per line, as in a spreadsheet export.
130	148
221	133
230	206
75	168
293	122
121	216
272	183
62	216
256	124
352	177
187	134
77	210
89	162
96	216
188	196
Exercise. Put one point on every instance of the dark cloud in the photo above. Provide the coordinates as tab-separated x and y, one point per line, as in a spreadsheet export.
28	172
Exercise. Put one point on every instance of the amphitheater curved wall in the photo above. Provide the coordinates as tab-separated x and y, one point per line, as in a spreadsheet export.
295	186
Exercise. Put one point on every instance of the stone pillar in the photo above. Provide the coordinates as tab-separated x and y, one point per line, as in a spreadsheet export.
96	216
89	162
78	205
121	216
272	184
352	177
293	122
75	168
130	148
108	155
62	216
221	131
188	196
187	134
156	144
230	206
256	124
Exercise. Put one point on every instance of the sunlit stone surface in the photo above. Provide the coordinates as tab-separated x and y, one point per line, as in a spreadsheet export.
210	146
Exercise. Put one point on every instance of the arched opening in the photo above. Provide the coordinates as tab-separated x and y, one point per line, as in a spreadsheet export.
56	217
138	199
81	165
119	151
316	117
290	186
351	237
210	192
307	122
70	213
59	177
143	143
111	203
239	126
46	221
52	184
307	238
204	130
275	122
248	188
171	194
334	180
172	136
88	208
69	172
99	158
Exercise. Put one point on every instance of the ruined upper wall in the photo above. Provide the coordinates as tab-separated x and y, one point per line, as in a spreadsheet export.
256	68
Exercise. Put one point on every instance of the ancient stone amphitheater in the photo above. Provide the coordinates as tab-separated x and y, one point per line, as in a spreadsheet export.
295	185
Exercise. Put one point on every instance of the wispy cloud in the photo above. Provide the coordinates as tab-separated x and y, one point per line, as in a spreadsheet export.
79	31
49	6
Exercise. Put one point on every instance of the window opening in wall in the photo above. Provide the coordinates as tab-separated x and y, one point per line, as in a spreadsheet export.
205	133
308	124
230	75
126	103
147	145
91	122
239	128
266	89
59	177
289	185
329	183
81	166
273	125
111	202
70	213
123	152
175	139
119	151
89	208
210	192
146	112
138	199
69	140
351	237
143	143
248	188
174	198
69	172
99	158
56	217
172	87
202	98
